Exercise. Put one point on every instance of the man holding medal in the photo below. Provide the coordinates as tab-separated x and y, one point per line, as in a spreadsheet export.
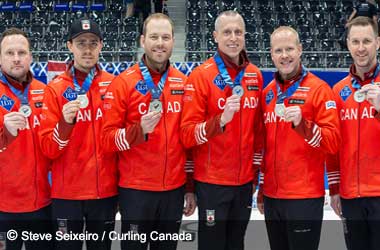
301	127
84	178
219	121
358	103
24	187
143	110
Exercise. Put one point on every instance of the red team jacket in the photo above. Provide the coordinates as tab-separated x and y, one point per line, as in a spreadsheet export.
359	157
155	164
24	185
80	169
223	157
294	161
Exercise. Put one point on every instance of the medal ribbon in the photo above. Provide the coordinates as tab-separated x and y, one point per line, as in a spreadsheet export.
224	73
155	91
290	91
22	96
355	83
86	84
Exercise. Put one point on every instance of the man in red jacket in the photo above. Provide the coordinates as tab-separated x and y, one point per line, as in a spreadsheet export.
84	178
301	126
24	187
143	110
219	121
358	102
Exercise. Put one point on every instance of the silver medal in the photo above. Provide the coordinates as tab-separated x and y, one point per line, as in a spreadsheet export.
83	99
279	110
26	110
238	90
155	105
359	96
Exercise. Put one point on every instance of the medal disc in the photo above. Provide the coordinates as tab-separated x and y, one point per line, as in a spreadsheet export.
83	99
238	90
26	110
279	110
155	105
359	96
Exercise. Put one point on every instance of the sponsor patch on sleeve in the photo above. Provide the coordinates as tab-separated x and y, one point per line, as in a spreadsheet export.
330	105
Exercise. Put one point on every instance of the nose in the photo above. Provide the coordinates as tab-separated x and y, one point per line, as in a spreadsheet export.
159	41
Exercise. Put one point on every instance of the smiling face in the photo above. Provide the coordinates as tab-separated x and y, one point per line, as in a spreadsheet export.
362	42
86	49
157	42
286	52
15	56
230	35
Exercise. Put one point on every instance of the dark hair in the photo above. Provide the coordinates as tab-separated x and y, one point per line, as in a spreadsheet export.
14	31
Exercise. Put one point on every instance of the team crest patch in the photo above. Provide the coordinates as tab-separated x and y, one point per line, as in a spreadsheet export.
86	25
219	82
269	97
62	225
345	93
141	87
6	102
330	105
210	217
70	94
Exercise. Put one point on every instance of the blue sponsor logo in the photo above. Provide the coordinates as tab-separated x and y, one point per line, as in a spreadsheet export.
269	97
219	82
141	87
6	102
70	94
345	93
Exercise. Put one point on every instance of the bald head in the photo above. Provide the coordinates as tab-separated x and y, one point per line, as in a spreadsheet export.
284	31
230	14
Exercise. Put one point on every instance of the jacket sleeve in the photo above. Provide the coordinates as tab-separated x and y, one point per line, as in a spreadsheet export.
119	134
323	132
195	129
54	133
333	173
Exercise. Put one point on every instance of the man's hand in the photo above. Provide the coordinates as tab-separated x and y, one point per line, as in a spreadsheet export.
293	114
232	106
335	204
69	111
190	204
373	95
14	121
149	121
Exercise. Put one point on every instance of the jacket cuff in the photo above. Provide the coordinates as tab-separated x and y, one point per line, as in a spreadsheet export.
304	129
213	127
334	189
65	129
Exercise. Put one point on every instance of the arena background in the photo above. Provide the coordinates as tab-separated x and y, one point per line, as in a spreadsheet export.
319	22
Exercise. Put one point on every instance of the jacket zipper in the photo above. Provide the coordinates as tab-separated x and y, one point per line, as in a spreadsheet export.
35	163
358	155
166	140
238	179
94	136
275	152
